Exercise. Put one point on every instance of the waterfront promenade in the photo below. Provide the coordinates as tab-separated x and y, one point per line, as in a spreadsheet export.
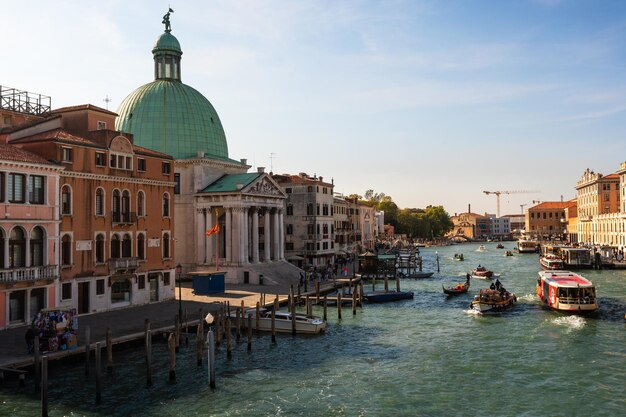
127	324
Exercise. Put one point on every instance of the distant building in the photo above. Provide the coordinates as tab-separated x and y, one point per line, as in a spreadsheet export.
309	221
368	221
548	220
600	198
500	226
341	220
517	223
470	226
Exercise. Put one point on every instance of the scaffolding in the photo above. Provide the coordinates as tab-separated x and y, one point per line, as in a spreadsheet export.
24	102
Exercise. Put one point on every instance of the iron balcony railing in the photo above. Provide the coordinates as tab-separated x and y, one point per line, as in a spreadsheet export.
121	217
29	274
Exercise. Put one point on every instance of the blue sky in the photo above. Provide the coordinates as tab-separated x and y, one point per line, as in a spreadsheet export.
429	102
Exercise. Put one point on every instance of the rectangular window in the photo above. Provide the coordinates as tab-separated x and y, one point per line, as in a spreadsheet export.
288	190
120	161
165	168
36	189
2	174
289	229
288	245
100	159
141	164
102	125
166	278
129	163
16	188
66	291
113	161
176	183
141	282
66	154
99	286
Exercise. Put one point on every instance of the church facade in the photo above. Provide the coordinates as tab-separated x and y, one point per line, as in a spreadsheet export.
225	217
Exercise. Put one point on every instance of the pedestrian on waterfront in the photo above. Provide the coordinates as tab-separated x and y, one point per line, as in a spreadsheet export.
30	339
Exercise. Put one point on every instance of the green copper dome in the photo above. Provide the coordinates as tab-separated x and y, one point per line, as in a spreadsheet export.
169	116
167	42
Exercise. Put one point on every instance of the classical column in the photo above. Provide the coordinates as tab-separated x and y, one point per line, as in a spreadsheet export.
266	237
228	233
281	235
6	255
255	236
200	237
27	252
275	236
245	235
210	248
241	233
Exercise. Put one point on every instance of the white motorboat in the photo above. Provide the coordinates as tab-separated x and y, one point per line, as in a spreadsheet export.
481	248
493	301
283	323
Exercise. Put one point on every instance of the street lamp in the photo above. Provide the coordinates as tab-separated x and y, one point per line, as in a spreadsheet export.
179	269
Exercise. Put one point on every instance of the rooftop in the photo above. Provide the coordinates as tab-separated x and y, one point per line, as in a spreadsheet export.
16	154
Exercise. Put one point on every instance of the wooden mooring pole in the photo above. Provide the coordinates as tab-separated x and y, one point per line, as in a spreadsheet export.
229	353
354	302
177	332
148	343
87	348
293	318
325	307
249	332
199	342
211	359
109	341
274	319
339	306
44	386
98	373
258	316
37	364
171	345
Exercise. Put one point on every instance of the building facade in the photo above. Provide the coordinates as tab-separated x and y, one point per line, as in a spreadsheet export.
599	205
211	188
548	220
500	226
309	219
115	205
29	233
470	226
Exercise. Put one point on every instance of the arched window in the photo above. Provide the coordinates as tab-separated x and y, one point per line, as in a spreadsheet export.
66	200
125	206
1	247
127	246
37	247
141	248
115	246
100	249
99	202
66	250
17	248
166	205
117	217
141	203
166	245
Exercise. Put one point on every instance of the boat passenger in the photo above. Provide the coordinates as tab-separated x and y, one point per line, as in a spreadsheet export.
492	286
498	284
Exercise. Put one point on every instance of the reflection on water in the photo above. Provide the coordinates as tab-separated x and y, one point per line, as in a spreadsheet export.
426	356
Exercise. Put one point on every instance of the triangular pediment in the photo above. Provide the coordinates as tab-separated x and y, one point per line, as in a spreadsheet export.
264	185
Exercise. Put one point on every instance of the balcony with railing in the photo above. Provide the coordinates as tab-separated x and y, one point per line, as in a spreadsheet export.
123	217
123	264
32	273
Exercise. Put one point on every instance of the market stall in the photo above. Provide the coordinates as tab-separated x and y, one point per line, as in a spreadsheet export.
56	329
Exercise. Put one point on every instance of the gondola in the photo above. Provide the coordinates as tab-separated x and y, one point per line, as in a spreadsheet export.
460	288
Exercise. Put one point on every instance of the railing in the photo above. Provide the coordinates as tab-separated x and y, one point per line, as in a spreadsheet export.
120	217
577	300
123	263
29	274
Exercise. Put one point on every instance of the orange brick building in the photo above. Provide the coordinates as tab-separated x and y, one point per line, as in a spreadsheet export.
548	220
115	200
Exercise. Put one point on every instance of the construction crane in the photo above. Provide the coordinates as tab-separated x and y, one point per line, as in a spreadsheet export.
497	193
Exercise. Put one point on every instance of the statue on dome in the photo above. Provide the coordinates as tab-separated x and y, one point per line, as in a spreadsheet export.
166	20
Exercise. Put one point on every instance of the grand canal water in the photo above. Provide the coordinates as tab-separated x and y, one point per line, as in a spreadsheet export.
430	356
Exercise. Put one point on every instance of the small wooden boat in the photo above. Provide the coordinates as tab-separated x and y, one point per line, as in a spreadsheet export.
458	257
481	248
499	246
387	296
493	301
508	253
460	288
482	273
283	323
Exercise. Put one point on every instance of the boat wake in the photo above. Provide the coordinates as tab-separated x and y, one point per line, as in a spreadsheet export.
472	312
570	322
529	297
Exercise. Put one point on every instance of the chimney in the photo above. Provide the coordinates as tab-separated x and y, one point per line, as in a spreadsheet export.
260	170
200	154
321	179
244	161
469	208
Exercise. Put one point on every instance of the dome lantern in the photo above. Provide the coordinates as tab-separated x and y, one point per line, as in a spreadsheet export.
167	54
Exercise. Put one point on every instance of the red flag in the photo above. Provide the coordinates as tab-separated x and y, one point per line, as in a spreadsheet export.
214	229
